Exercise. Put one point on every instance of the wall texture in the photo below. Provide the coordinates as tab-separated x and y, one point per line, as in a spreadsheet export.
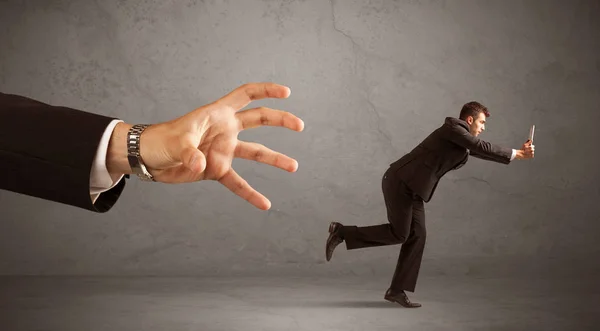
370	80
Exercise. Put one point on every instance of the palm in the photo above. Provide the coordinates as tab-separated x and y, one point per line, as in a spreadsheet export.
218	146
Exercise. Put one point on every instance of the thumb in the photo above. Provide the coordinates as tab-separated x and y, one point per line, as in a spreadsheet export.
193	159
187	152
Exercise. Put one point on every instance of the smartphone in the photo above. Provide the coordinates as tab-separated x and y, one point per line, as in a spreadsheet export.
531	132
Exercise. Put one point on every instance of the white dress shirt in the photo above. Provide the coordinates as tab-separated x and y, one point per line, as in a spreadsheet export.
100	178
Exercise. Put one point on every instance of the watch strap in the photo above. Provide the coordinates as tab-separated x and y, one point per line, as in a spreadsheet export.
133	152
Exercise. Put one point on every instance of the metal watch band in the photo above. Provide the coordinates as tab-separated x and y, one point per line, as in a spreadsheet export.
133	152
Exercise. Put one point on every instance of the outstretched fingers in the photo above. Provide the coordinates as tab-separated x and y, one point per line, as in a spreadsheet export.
260	153
243	95
236	184
260	116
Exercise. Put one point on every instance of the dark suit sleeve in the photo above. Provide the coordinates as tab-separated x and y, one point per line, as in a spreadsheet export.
486	158
48	151
477	147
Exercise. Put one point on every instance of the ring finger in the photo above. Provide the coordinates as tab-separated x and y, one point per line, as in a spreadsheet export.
260	153
260	116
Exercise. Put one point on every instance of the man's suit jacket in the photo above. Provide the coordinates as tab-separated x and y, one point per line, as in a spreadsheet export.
447	148
47	152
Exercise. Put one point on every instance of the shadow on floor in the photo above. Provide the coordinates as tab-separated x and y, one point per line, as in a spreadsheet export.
338	304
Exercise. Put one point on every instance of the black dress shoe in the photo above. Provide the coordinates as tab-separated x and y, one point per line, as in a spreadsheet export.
400	298
334	239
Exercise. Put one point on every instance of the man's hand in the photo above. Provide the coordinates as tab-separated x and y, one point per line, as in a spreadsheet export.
201	145
526	151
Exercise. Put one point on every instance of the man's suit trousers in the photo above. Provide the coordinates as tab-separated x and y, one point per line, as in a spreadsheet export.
406	226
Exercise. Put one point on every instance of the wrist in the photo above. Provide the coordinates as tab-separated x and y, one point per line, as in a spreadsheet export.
116	158
519	155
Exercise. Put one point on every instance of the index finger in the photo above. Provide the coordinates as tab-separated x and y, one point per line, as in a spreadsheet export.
243	95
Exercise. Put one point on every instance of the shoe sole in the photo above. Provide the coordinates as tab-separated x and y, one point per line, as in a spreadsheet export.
331	229
398	303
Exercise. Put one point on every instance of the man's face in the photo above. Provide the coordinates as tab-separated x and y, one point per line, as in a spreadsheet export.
477	124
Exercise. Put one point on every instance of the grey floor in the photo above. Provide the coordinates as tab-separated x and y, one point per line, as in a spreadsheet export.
319	303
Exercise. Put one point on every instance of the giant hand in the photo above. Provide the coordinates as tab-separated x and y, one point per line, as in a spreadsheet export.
201	145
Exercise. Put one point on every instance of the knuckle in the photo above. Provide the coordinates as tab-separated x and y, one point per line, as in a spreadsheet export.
286	116
277	159
258	154
264	119
240	185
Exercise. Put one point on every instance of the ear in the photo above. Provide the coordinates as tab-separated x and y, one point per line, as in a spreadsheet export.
470	120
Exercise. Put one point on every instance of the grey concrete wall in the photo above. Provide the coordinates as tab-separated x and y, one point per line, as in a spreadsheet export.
370	80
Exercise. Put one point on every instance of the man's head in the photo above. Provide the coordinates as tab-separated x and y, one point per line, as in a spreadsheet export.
475	115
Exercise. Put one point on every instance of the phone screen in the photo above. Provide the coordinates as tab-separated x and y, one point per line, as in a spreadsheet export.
531	132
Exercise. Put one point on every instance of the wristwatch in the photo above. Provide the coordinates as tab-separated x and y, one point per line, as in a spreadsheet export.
133	153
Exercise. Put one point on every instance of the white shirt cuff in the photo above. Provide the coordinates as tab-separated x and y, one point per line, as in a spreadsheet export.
100	179
514	153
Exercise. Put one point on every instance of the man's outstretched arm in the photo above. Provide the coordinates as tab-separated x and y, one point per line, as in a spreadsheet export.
487	158
525	152
486	150
202	144
79	158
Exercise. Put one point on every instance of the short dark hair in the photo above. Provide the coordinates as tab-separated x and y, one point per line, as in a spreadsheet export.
473	108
